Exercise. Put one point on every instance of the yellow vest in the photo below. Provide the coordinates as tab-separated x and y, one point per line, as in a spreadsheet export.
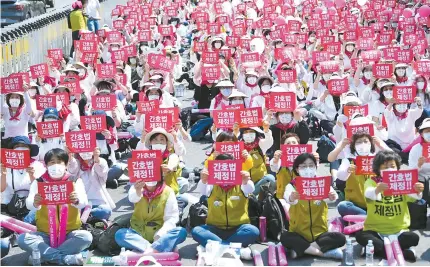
232	208
354	188
171	179
388	216
73	219
259	169
283	178
148	216
309	218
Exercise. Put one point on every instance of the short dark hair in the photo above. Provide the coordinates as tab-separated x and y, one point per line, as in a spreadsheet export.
302	158
56	153
357	136
382	157
288	135
226	136
224	157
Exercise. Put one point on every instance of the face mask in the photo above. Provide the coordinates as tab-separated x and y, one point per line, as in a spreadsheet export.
151	184
401	108
302	46
426	137
368	75
217	45
86	155
394	25
363	149
265	88
326	77
160	147
226	92
249	137
48	120
285	118
153	97
312	39
81	72
57	170
157	84
21	148
174	23
14	102
32	92
400	72
420	85
279	45
349	48
388	94
237	102
133	61
308	172
252	80
114	48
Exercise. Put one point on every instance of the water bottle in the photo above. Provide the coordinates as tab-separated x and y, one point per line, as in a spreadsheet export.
349	255
191	181
36	257
369	253
123	257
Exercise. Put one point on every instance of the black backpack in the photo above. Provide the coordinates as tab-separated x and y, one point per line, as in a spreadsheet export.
106	242
255	209
418	213
276	220
197	214
325	146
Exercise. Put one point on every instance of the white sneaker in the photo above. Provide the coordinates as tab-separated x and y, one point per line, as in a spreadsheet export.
336	254
246	254
75	260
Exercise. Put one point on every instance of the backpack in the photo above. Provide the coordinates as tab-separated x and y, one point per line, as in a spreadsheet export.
325	146
186	118
200	129
95	232
198	213
314	126
418	213
276	220
255	209
106	242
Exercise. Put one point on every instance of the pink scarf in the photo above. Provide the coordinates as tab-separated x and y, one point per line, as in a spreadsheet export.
48	179
18	112
253	145
151	195
285	127
401	79
365	81
399	115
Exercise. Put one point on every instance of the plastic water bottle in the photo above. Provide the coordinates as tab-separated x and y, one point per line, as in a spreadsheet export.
369	253
349	253
123	257
36	257
191	181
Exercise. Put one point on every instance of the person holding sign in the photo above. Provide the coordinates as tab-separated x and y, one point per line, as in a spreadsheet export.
222	100
227	219
400	71
47	143
308	232
153	223
419	154
93	170
401	126
259	100
388	214
74	239
381	92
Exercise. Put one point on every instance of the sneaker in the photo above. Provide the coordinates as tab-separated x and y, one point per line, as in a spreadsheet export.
410	255
112	184
336	254
75	260
246	254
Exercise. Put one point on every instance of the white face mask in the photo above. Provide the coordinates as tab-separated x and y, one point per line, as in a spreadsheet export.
226	92
32	92
302	46
57	170
349	48
308	172
48	120
285	118
426	137
217	45
160	147
174	23
388	94
86	155
420	85
368	75
133	61
237	102
153	97
114	48
21	148
249	137
157	84
252	80
151	184
265	88
81	72
14	102
363	149
326	77
401	72
401	108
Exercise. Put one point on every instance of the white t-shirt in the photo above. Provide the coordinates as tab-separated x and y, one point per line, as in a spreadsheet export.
92	9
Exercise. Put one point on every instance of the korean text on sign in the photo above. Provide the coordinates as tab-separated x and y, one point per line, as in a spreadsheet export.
146	169
39	70
404	94
364	165
55	193
290	153
15	159
50	129
316	188
103	102
351	110
426	151
338	86
400	182
12	84
156	120
147	106
225	172
225	118
363	128
46	101
282	102
145	154
107	70
81	141
94	123
250	117
233	148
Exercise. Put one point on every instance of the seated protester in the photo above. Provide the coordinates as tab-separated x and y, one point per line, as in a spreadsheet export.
158	80
46	144
69	252
237	98
160	139
416	160
16	112
401	126
153	223
222	100
93	170
17	182
227	219
257	142
107	139
265	84
86	77
308	232
403	78
379	221
223	136
69	114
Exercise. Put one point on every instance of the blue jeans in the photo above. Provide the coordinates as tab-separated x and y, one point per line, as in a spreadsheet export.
131	239
349	208
268	178
101	212
246	234
5	246
30	218
76	242
93	25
